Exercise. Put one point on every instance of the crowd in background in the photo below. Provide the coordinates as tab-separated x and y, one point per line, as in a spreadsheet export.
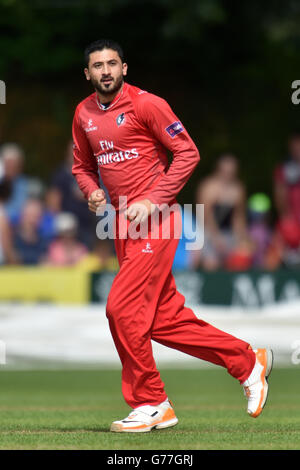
51	225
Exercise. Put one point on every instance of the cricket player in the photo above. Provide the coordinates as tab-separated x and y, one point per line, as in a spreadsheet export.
124	132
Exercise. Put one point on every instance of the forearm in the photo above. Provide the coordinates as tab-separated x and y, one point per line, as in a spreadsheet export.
176	177
87	181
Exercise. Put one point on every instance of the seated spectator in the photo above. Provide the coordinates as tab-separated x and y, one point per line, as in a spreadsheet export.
52	209
30	246
102	257
287	181
7	252
240	258
223	195
73	200
12	157
284	249
66	250
260	233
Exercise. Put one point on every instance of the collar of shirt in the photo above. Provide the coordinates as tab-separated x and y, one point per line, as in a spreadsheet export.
104	106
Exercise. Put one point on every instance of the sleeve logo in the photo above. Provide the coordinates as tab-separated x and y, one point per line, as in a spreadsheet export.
174	129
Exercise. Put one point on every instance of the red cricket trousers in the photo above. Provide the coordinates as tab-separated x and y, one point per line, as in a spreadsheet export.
144	305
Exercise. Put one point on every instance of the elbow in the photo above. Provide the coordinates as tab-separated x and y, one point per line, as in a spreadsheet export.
197	156
75	170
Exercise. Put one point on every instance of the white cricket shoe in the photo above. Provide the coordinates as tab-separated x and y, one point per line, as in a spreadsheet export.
256	386
145	418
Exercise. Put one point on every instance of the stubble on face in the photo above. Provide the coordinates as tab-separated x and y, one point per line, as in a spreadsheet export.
107	89
106	73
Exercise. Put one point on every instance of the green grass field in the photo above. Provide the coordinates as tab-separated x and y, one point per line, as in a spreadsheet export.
74	409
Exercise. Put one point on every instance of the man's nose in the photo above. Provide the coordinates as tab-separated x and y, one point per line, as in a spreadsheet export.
106	69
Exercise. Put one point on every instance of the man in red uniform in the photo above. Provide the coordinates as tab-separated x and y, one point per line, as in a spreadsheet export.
125	132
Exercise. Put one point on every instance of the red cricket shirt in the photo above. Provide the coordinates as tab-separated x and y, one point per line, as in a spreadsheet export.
128	143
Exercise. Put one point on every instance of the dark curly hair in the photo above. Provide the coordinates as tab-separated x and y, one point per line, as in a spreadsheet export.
101	44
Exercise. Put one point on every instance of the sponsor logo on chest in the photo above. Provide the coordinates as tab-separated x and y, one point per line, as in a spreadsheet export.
110	155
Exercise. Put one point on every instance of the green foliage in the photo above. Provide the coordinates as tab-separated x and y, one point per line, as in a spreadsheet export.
226	68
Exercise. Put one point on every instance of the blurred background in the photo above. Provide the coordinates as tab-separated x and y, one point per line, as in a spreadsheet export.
226	68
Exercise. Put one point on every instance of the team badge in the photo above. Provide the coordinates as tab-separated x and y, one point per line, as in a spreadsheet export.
121	119
174	129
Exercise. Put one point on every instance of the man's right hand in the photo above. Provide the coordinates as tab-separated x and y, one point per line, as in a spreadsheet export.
96	199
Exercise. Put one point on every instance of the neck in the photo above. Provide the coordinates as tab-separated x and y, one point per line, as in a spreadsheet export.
108	98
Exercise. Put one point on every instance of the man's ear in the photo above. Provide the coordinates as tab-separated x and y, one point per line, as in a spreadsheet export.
125	68
87	75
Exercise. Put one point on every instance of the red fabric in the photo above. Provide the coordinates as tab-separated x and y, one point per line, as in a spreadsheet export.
238	261
289	229
144	304
129	141
131	156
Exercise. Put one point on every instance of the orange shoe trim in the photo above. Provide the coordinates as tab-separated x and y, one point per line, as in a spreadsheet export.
262	358
141	426
169	414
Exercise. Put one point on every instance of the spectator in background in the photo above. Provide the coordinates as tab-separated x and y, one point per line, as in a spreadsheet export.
12	157
52	208
287	181
284	249
7	252
102	257
73	200
260	233
223	195
66	250
30	246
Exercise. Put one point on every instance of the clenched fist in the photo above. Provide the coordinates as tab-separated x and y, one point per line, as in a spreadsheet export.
139	211
96	199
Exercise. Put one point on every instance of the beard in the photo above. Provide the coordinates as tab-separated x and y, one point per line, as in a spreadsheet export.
109	89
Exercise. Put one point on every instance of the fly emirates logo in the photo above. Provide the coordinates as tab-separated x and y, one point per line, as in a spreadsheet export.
110	156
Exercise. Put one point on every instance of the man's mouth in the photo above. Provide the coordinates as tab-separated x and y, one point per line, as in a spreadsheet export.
106	80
